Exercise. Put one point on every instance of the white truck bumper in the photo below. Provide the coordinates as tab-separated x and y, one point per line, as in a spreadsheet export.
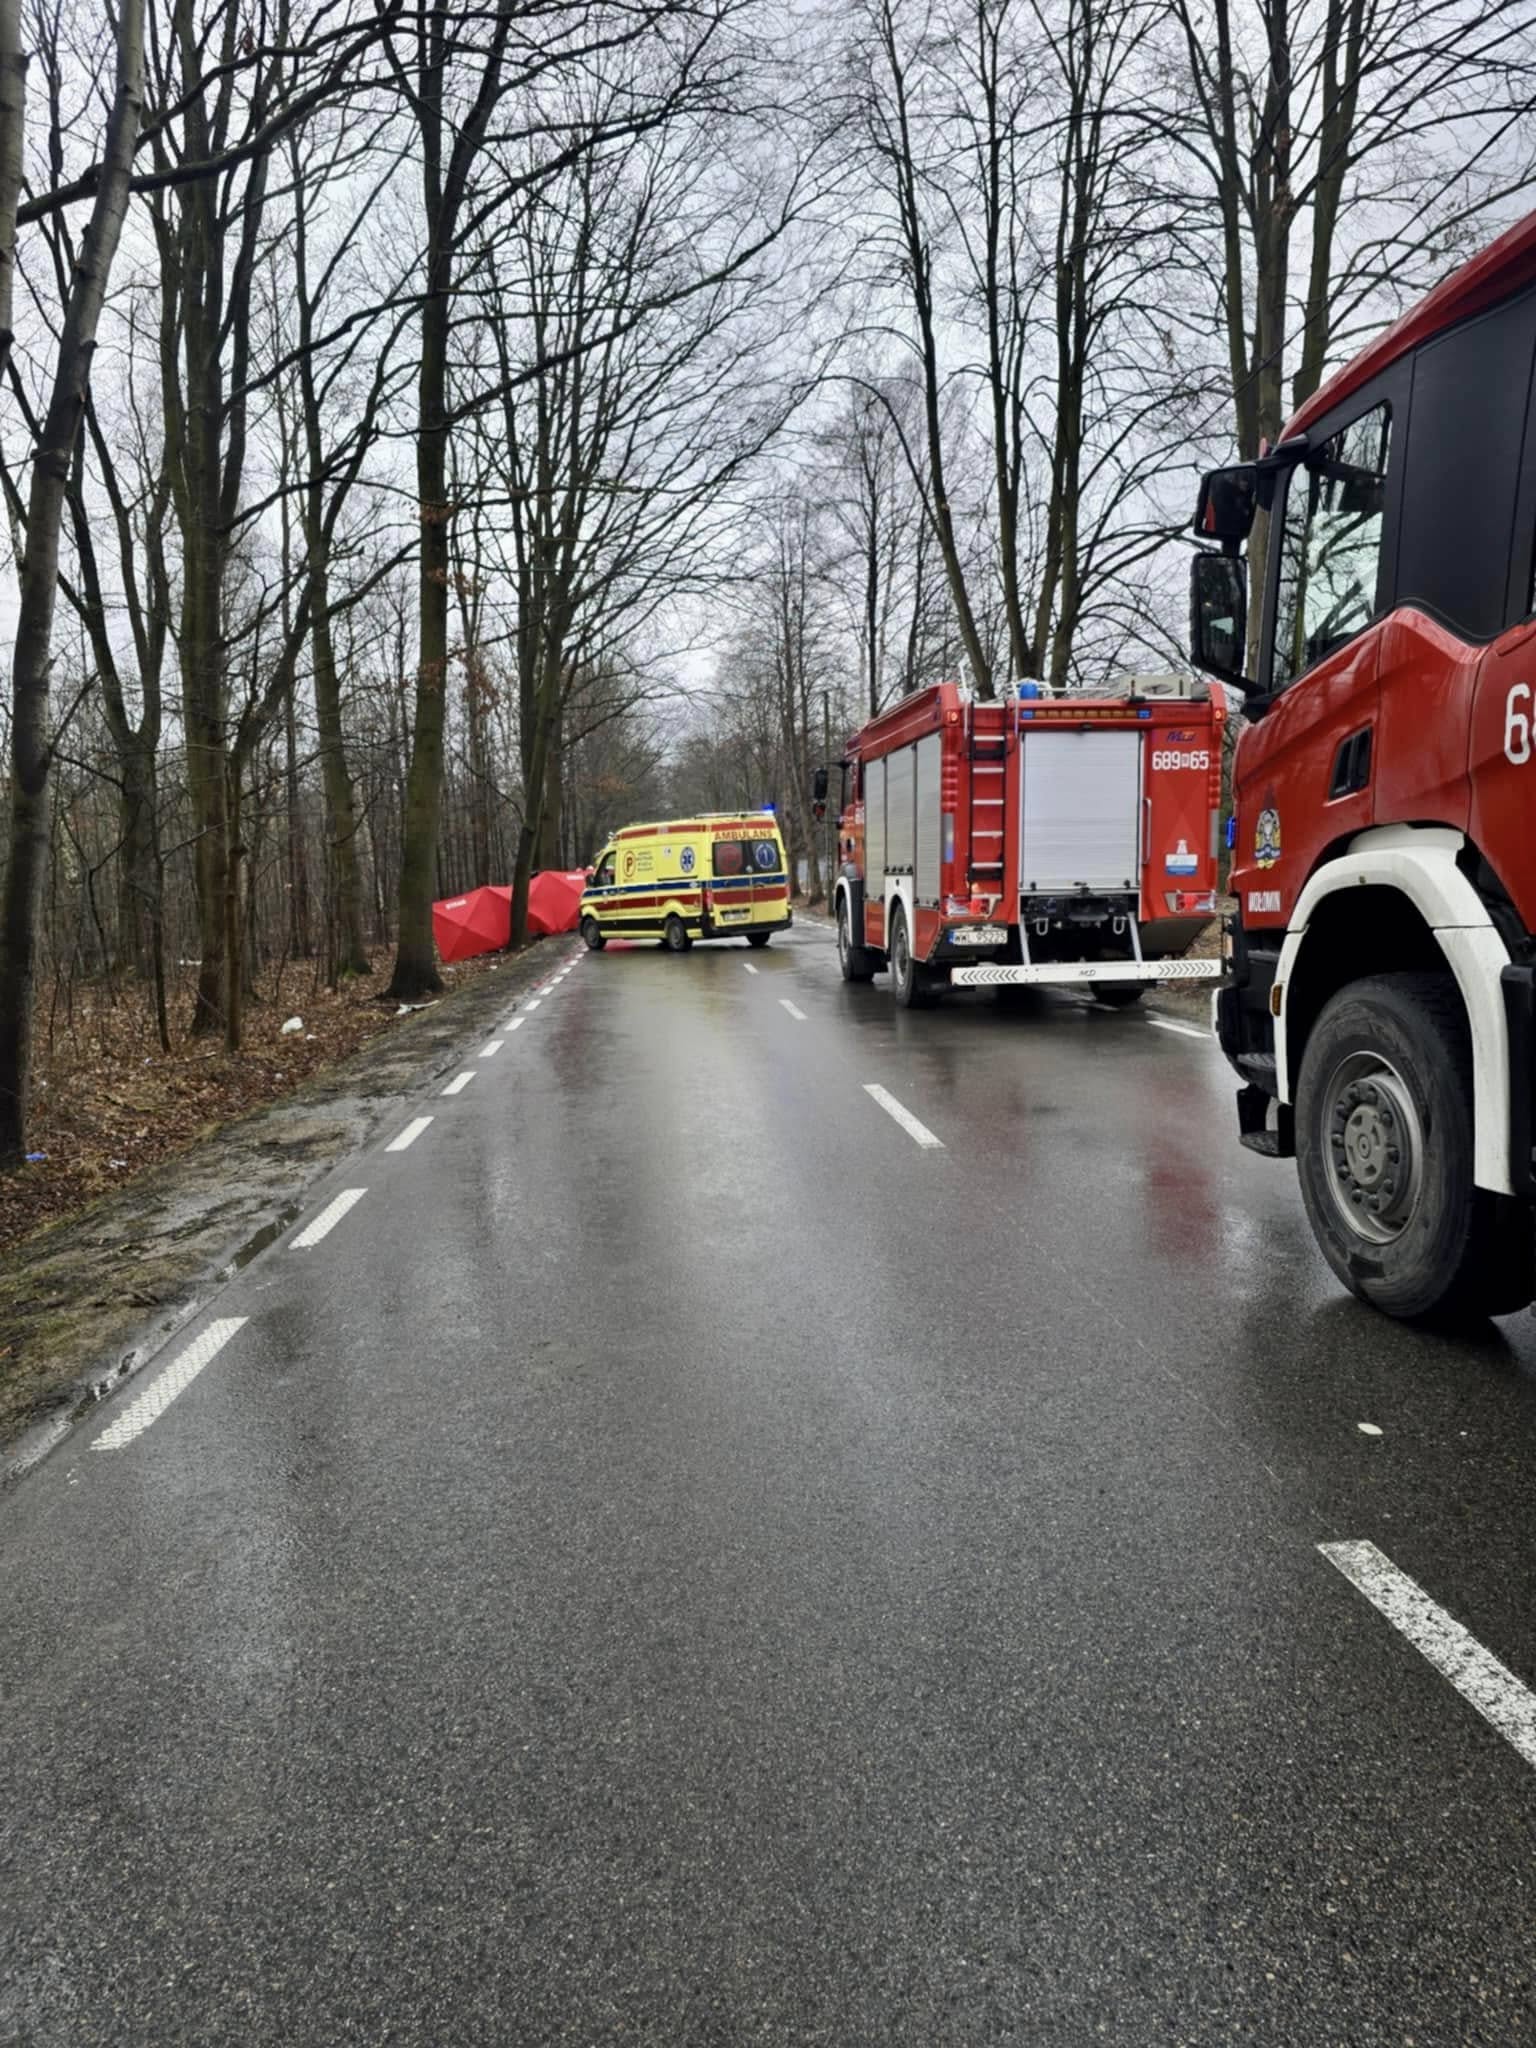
1054	973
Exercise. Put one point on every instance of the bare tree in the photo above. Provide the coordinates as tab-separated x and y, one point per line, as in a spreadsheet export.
892	77
623	441
32	745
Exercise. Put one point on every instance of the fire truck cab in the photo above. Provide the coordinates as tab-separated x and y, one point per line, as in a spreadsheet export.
1380	1008
1029	838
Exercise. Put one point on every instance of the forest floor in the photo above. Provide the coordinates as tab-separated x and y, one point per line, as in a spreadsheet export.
107	1103
157	1167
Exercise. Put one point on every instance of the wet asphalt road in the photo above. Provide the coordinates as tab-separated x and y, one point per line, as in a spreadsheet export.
682	1562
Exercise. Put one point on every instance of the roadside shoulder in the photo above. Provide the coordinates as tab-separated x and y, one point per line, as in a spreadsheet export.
84	1304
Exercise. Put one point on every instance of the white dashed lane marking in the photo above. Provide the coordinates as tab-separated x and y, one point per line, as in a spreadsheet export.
1503	1700
409	1135
489	1051
534	1004
327	1220
749	967
460	1081
786	1004
513	1024
919	1133
158	1396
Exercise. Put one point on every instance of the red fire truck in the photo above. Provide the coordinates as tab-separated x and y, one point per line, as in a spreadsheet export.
1381	1005
1029	838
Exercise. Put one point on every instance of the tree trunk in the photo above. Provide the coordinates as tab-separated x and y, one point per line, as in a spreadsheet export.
139	907
536	781
300	927
340	797
204	702
31	746
443	187
554	801
1342	51
234	980
13	122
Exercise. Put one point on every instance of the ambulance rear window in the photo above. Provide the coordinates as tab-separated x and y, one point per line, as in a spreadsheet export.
747	857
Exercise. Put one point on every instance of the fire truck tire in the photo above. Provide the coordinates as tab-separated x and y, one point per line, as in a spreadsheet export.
1384	1152
674	935
910	983
1117	995
593	935
854	960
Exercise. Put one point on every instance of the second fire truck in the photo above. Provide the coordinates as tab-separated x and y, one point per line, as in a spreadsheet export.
1028	839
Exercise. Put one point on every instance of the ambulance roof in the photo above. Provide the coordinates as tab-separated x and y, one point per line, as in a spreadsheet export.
703	821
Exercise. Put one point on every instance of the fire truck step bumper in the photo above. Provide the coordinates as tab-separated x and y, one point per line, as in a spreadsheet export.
1054	973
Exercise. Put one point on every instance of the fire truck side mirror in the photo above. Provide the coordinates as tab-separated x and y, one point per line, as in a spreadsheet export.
819	785
1218	616
1226	507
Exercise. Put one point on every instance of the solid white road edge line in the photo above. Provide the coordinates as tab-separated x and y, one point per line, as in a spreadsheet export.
1503	1700
155	1399
409	1135
908	1122
460	1081
786	1004
488	1051
1184	1030
327	1220
749	967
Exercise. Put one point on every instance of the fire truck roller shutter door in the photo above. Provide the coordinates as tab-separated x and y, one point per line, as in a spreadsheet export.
900	808
1082	823
900	836
874	853
874	829
925	866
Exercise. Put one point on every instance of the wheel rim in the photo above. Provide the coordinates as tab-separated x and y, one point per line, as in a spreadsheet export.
1375	1147
899	955
842	932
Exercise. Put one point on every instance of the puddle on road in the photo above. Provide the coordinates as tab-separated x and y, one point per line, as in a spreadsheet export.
257	1243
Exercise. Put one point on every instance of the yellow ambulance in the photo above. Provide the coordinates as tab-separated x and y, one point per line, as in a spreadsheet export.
718	876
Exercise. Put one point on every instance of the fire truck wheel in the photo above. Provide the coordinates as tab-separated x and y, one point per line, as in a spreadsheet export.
593	934
1117	995
674	935
854	960
1384	1149
910	983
